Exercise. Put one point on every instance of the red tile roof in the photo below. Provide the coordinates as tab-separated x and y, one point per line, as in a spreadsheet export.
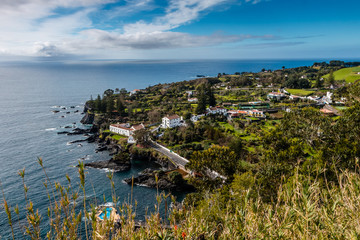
138	127
175	116
120	126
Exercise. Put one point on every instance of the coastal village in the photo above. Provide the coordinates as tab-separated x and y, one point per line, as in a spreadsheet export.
241	131
232	111
268	102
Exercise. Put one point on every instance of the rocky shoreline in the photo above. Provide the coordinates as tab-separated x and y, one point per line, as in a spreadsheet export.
111	164
123	155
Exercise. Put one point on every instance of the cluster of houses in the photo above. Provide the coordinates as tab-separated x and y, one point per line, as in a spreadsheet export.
251	109
283	94
236	113
177	121
245	113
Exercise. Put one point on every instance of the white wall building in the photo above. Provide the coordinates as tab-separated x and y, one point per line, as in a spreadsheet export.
217	110
125	129
120	129
195	118
171	121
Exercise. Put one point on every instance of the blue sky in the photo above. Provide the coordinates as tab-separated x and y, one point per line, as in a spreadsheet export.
180	29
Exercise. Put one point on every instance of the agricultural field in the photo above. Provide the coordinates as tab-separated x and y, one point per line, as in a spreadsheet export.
300	92
348	74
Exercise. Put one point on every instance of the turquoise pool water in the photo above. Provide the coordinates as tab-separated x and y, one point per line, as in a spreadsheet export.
108	213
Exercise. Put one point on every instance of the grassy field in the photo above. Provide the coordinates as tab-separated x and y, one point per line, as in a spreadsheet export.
227	98
117	137
347	74
226	125
300	92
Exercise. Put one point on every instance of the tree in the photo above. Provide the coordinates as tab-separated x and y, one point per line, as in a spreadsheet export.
211	96
142	137
295	81
217	158
154	116
110	105
201	106
176	178
98	103
318	82
236	145
108	92
331	78
120	107
123	91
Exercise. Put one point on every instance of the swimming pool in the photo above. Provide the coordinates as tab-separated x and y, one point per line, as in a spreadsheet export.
108	213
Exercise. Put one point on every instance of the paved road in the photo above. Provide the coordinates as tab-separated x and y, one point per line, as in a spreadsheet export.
179	161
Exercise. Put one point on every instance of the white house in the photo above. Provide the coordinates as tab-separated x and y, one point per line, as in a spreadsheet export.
137	127
171	121
192	99
195	118
315	98
125	129
294	97
276	96
327	99
256	113
135	91
217	110
131	139
120	129
189	93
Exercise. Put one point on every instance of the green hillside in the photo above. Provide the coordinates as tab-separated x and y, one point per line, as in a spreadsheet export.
347	74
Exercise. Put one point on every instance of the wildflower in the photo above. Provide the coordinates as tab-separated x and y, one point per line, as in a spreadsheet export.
183	235
175	228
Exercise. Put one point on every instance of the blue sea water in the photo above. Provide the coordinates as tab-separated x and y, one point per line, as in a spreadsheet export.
28	127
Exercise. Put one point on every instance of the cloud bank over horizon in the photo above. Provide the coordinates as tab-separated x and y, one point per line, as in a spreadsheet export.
135	28
65	27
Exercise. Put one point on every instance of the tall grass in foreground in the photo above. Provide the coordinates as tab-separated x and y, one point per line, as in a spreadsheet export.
304	210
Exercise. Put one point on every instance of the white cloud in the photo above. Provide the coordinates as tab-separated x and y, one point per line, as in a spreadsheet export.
30	27
154	40
177	14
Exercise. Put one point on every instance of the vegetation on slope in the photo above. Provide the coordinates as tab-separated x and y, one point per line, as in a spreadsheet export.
348	74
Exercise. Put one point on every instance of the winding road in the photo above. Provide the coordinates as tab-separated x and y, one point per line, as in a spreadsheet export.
175	158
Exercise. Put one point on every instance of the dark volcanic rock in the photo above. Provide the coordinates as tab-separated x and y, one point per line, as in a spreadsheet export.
101	148
147	156
147	178
88	118
91	139
116	165
63	132
77	141
78	131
